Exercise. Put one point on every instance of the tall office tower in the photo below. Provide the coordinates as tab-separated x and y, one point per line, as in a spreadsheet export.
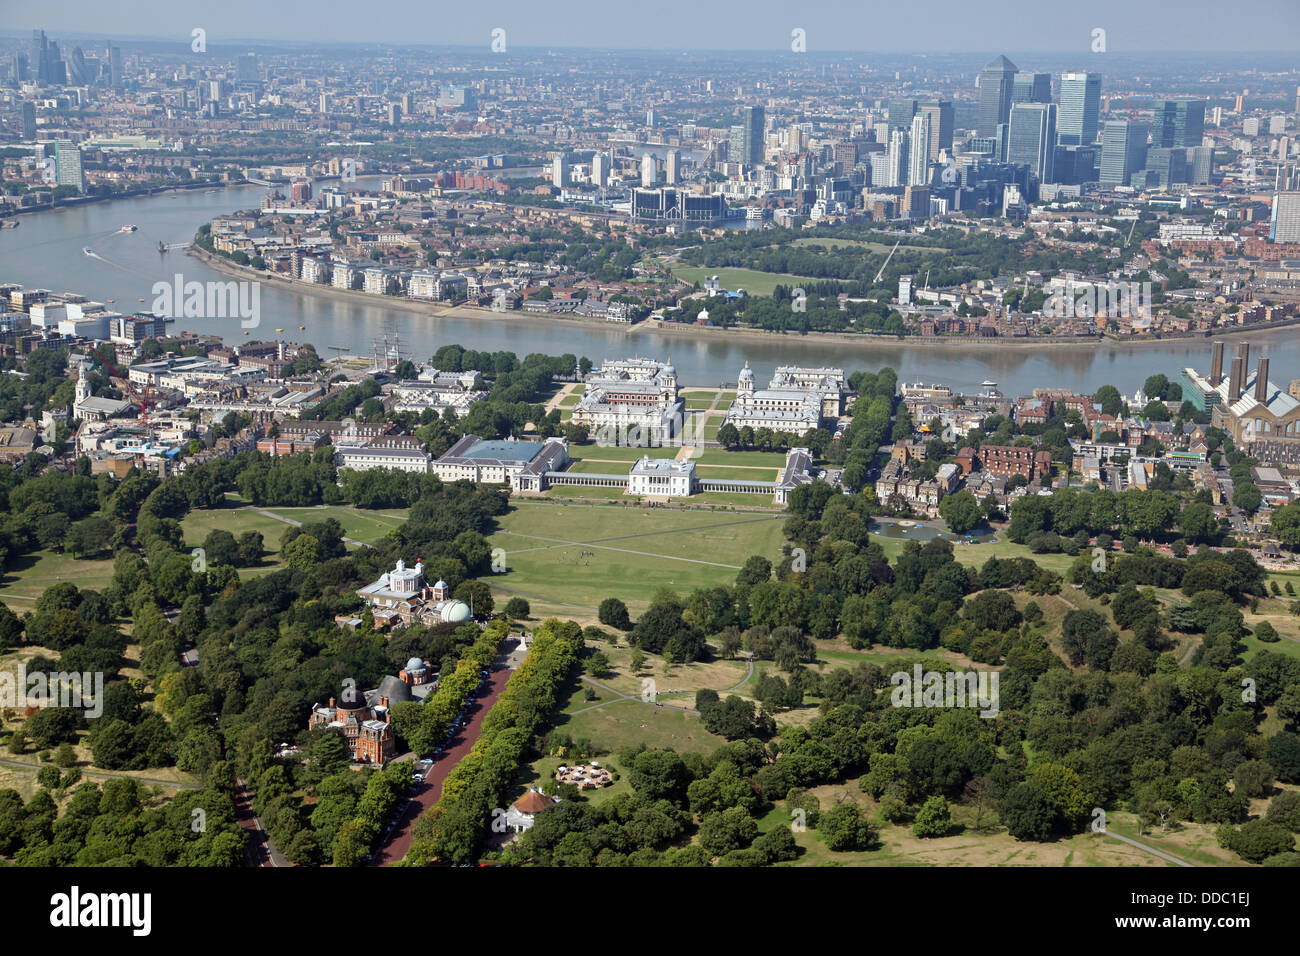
918	151
996	83
1217	116
672	159
1074	165
18	67
941	121
246	68
600	169
1200	164
649	171
1123	151
40	57
1168	164
115	66
1178	122
29	119
323	104
1001	135
67	165
753	122
901	111
1239	104
736	144
408	104
1285	223
394	114
1031	88
651	119
560	170
1080	105
898	166
1297	100
1031	139
879	169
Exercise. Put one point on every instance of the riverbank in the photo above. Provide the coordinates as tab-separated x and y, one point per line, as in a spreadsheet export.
143	191
864	340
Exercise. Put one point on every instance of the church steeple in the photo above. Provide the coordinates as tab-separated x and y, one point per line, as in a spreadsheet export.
83	384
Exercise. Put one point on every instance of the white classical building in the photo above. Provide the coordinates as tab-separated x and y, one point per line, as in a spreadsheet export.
632	401
402	595
664	477
521	464
796	400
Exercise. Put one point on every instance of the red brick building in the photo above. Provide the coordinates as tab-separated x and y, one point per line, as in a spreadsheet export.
1007	461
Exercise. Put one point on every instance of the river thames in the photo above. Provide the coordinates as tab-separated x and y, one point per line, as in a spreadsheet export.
46	252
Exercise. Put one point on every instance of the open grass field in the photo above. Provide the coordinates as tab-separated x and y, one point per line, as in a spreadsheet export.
864	245
969	847
612	723
31	574
634	551
736	473
754	283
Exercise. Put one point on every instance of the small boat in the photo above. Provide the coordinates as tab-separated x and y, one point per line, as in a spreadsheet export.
162	247
987	384
302	328
129	227
87	250
142	299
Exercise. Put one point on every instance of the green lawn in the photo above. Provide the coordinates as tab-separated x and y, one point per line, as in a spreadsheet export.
737	474
634	550
751	459
29	575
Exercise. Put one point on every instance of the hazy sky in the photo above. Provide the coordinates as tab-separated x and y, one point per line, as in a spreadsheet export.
869	25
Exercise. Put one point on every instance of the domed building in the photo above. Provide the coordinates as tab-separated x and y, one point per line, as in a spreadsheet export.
365	719
402	596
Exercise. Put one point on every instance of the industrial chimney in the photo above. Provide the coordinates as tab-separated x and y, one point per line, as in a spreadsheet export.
1236	376
1261	382
1244	351
1216	364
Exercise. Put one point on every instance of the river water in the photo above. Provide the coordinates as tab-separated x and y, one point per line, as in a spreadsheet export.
46	252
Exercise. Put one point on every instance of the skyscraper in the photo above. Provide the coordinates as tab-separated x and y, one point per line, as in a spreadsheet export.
1200	164
560	170
941	122
918	151
896	175
996	83
1123	151
901	111
649	171
115	66
1031	138
1031	88
246	68
1285	224
29	119
1179	122
753	123
600	169
672	162
67	165
1080	105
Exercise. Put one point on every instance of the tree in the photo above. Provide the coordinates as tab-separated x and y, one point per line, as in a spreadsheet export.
477	595
844	828
1027	813
613	613
597	664
517	608
961	512
934	819
251	549
727	830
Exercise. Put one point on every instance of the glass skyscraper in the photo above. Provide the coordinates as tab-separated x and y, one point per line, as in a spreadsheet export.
1080	106
1031	139
1031	88
1123	151
997	80
1179	122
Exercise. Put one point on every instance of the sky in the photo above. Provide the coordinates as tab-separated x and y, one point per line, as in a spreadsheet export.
955	26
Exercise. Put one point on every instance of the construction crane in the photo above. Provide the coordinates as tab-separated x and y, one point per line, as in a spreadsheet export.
886	262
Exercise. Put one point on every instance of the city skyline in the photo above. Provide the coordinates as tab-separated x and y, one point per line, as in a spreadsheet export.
1021	26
